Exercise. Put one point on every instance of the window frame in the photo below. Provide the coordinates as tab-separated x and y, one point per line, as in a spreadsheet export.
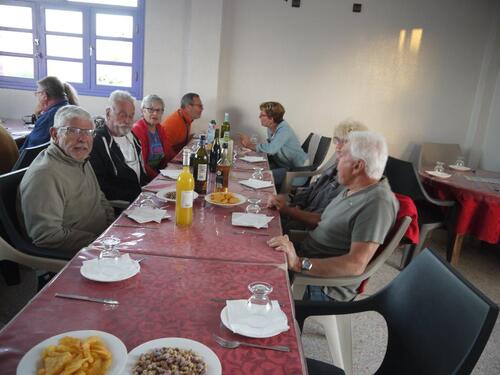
89	11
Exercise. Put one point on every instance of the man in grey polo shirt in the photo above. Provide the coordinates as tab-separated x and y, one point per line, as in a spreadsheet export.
354	224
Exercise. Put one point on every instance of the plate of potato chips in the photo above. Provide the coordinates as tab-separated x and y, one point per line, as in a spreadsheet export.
83	352
225	199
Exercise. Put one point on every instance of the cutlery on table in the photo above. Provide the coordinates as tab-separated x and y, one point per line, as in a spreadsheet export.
251	232
90	299
231	344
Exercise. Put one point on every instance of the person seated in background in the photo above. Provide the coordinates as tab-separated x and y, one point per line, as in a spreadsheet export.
62	207
51	94
303	209
8	151
152	135
353	225
282	146
177	125
116	156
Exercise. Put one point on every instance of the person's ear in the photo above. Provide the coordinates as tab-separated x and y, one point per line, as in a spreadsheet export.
53	134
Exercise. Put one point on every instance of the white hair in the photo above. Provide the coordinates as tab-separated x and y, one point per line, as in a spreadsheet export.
65	114
148	101
120	96
370	147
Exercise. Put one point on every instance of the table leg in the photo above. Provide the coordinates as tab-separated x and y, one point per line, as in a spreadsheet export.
456	248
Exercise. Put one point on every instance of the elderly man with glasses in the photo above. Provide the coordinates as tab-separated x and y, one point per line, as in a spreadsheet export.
178	124
62	206
116	156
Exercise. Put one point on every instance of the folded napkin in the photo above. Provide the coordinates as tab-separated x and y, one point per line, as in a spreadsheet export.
461	168
241	320
256	184
145	214
171	173
250	220
108	269
253	159
439	174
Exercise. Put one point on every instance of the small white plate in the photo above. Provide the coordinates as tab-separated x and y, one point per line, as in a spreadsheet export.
163	192
31	362
253	159
109	274
252	331
439	174
242	199
461	168
210	358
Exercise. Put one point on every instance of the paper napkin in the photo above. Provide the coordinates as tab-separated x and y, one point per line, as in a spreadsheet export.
256	184
171	173
146	214
244	219
253	159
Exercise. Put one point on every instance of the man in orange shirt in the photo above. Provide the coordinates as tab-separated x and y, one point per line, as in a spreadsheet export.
178	124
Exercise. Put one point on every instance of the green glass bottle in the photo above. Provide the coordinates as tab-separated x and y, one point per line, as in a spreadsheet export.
200	168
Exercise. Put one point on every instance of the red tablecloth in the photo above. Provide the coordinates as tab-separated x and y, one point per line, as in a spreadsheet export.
479	202
170	297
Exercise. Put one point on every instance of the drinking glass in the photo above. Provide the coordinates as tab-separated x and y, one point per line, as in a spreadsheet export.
439	167
110	250
259	303
254	139
460	161
147	200
258	175
253	206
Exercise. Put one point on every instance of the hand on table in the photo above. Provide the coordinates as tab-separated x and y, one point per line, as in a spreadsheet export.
282	243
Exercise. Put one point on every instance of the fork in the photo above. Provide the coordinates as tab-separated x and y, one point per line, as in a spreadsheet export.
231	344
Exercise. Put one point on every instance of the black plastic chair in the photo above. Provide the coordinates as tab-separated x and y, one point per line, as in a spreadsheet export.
438	323
9	185
28	155
404	179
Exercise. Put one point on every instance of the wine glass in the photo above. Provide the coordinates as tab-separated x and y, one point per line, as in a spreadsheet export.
257	174
259	303
253	206
439	167
110	250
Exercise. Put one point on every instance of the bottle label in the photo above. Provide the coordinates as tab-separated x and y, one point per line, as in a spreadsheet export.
202	172
187	199
219	179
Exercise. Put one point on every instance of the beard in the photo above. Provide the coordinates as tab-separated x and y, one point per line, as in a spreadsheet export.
122	130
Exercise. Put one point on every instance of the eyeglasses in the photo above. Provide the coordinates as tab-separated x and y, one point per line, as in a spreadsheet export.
38	92
154	110
78	131
338	141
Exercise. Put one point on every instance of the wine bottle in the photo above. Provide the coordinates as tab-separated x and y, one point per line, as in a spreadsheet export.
184	193
211	131
222	173
200	168
215	153
230	147
226	126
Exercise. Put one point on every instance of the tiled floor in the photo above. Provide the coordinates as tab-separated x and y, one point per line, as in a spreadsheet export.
480	266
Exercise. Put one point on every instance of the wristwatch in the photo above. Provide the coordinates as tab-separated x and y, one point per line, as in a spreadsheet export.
306	264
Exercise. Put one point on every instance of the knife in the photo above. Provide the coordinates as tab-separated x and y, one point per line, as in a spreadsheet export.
90	299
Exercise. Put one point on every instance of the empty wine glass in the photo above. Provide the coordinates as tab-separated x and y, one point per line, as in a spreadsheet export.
253	206
439	167
110	250
258	175
460	161
259	303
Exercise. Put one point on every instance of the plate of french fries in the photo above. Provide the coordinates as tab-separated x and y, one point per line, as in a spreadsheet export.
225	199
86	352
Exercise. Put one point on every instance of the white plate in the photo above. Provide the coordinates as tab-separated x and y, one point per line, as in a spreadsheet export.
161	194
252	331
242	199
460	168
439	174
253	159
90	271
31	360
210	358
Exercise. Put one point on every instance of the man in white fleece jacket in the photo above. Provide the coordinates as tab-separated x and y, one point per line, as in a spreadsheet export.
62	205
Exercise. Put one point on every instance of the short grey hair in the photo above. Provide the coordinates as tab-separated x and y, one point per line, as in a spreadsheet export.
188	99
120	96
347	126
65	114
148	101
370	147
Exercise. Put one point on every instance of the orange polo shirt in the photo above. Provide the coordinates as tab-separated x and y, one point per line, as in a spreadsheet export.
177	128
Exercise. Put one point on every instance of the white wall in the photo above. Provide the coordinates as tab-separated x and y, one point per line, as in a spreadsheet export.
325	63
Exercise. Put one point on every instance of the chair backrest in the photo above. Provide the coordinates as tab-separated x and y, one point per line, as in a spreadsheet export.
430	153
9	185
438	323
28	155
321	151
305	145
403	178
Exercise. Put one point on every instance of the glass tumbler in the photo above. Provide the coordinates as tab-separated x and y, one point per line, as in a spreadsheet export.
259	303
257	174
253	205
460	162
439	167
110	250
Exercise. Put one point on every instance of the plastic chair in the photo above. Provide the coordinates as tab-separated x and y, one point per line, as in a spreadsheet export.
404	179
438	323
9	185
28	155
317	157
430	153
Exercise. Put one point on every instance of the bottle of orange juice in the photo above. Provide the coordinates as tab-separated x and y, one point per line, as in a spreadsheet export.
184	193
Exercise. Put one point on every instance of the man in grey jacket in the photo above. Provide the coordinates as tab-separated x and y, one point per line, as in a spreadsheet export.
62	205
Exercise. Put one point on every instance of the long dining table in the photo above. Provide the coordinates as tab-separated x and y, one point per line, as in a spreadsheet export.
186	275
